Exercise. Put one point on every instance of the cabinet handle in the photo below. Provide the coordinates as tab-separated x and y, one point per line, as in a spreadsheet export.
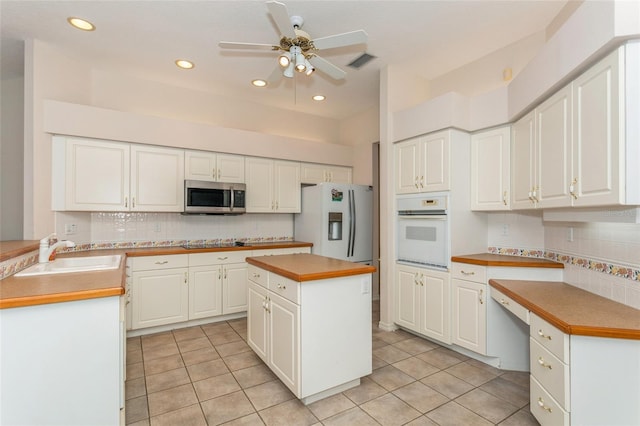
164	262
219	173
421	279
416	183
481	298
535	194
544	336
133	202
220	273
276	205
572	188
223	258
273	205
541	404
504	197
282	286
256	275
543	364
267	308
421	181
504	302
467	273
186	277
225	273
126	201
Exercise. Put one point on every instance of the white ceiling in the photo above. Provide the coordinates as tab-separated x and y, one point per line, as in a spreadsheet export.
143	38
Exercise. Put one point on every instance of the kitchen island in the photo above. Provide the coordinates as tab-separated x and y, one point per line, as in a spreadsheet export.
309	319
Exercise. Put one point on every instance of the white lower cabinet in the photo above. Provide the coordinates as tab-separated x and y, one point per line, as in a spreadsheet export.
422	297
469	315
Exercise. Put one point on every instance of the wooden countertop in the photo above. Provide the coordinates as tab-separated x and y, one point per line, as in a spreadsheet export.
9	249
309	267
490	259
43	289
573	310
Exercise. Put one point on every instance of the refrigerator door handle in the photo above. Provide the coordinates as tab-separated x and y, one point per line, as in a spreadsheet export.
350	224
353	215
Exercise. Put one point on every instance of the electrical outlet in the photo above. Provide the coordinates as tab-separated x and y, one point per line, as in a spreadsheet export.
70	228
505	229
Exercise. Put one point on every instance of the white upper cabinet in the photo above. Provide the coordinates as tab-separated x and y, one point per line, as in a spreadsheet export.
490	169
273	186
157	179
91	175
214	167
422	164
572	150
317	173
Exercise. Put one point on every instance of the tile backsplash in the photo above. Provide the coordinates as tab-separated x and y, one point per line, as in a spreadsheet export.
603	258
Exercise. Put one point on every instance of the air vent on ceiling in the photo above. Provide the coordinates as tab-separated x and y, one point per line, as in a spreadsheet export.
361	60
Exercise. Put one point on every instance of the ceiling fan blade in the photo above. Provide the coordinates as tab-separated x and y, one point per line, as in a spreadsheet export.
327	68
255	46
340	40
281	17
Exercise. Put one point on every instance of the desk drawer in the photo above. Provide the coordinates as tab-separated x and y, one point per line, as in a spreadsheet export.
469	272
550	337
510	305
550	372
544	408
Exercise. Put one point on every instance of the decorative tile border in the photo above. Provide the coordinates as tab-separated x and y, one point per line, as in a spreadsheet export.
594	265
17	264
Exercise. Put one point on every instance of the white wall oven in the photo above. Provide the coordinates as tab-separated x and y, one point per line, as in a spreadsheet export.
423	230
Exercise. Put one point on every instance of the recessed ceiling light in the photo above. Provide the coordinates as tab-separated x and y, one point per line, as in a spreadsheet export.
81	24
184	64
319	98
259	83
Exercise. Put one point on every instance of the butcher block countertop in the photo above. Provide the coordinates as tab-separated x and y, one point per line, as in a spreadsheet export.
309	267
573	310
490	259
42	289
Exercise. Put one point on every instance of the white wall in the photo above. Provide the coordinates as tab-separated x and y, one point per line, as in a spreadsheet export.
11	158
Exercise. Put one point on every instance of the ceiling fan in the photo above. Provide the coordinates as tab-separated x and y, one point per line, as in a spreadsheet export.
298	51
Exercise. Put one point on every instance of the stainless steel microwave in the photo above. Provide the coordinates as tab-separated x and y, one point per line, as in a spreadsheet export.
202	197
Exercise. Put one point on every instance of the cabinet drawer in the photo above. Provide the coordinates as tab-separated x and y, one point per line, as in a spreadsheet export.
544	408
147	263
550	372
219	257
258	276
285	287
466	271
510	305
550	337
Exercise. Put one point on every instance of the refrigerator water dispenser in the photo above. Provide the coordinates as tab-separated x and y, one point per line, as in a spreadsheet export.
335	226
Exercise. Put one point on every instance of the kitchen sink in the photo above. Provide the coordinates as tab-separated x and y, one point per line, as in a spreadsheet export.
73	264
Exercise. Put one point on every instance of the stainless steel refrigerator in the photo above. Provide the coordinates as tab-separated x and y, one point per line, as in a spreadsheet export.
337	219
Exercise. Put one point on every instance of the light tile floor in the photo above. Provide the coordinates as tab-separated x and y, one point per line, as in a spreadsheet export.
208	375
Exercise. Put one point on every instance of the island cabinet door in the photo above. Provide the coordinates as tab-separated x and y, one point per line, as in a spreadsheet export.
284	348
257	320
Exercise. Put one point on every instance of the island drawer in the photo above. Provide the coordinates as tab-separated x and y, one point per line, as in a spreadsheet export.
151	263
544	408
258	276
285	287
550	372
469	272
549	337
510	305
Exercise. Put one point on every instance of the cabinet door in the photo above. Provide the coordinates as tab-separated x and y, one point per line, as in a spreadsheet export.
257	320
96	176
287	188
469	315
553	156
200	165
434	161
406	163
205	291
284	352
312	173
157	179
597	139
159	297
259	180
230	168
490	170
339	174
234	288
407	294
522	162
435	305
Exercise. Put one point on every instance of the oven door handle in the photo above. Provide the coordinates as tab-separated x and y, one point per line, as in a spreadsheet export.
428	217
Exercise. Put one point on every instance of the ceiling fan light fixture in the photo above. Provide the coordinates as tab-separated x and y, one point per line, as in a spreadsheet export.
310	68
285	59
288	72
300	63
81	24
